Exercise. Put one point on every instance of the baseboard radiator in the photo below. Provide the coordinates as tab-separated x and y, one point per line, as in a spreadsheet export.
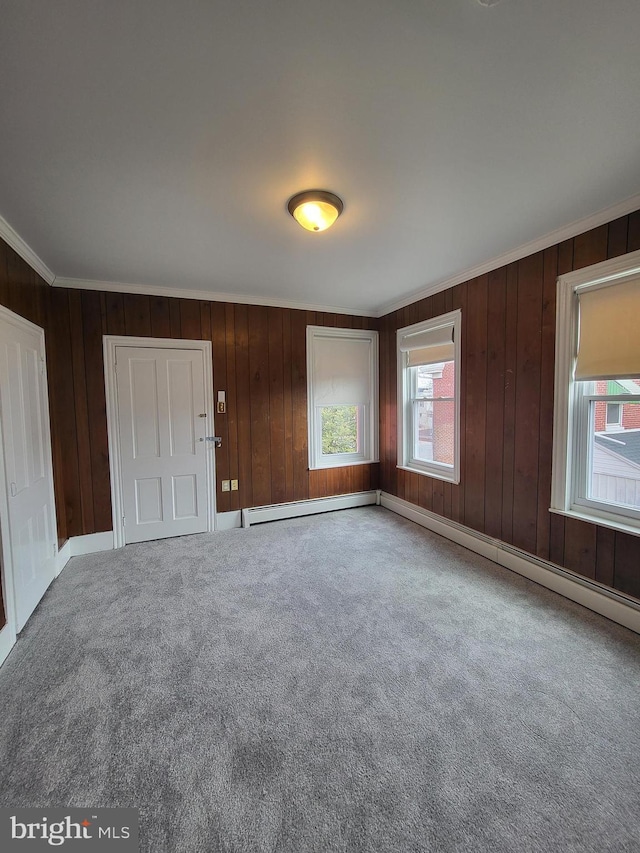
277	512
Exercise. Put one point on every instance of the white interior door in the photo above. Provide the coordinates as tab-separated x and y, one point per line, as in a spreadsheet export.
28	469
162	427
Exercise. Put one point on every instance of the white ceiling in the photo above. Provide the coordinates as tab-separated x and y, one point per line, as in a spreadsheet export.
156	143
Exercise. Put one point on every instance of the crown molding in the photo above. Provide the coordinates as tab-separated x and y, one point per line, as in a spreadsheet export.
566	232
13	239
205	295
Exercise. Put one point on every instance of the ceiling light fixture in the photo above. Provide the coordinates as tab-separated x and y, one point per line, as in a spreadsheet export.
315	210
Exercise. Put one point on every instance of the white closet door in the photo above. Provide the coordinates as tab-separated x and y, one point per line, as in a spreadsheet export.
32	536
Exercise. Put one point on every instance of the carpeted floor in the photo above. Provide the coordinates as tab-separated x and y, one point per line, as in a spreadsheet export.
345	682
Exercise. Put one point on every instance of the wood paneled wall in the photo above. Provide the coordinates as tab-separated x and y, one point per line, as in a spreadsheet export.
259	359
508	337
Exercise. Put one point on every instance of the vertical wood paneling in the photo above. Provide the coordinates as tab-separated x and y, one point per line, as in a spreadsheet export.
63	410
591	247
287	403
190	324
137	315
627	564
299	402
547	363
617	236
580	547
508	436
79	376
507	396
276	431
496	308
475	370
232	402
458	300
114	305
259	397
93	328
556	539
411	487
526	437
243	406
205	320
605	555
175	321
160	318
217	333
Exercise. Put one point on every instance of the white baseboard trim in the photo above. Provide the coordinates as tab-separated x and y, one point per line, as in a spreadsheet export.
228	520
599	599
276	512
63	557
91	543
7	642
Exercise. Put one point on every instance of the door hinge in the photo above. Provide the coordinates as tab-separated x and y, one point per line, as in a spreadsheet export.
41	366
123	521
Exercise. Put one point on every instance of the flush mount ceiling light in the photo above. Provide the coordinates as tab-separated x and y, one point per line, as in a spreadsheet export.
315	210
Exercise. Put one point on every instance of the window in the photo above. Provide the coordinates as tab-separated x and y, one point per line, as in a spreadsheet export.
613	417
429	397
342	396
596	452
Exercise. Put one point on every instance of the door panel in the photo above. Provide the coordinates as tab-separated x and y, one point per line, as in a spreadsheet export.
161	398
148	500
185	496
27	462
144	408
180	400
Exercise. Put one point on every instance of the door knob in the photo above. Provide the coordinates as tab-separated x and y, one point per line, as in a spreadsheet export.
216	439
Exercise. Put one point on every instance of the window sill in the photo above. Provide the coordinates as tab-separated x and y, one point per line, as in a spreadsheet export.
602	521
436	475
343	464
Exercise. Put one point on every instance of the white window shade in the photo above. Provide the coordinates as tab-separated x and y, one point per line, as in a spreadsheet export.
609	338
430	346
341	371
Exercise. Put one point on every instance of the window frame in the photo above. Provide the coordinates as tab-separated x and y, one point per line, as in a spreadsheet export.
571	420
367	414
406	402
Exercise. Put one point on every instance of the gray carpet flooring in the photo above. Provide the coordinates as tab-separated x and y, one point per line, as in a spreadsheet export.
346	682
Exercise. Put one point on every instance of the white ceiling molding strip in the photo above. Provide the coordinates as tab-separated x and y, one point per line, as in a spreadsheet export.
13	239
205	295
580	226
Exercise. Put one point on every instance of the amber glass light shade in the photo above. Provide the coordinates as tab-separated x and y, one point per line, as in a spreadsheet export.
315	210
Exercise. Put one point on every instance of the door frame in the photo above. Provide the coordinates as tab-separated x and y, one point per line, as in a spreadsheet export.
8	633
110	343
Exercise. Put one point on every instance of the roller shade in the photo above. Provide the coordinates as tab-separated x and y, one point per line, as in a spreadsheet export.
609	339
341	371
431	346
